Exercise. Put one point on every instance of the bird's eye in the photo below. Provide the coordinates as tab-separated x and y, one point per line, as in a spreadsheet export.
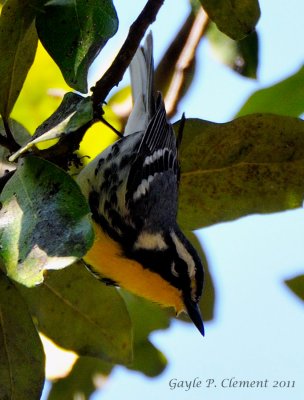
173	270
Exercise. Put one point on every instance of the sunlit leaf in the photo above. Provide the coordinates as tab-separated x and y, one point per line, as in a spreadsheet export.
241	56
87	375
21	352
253	164
297	285
235	18
284	98
44	221
42	92
90	24
68	107
18	43
73	113
80	313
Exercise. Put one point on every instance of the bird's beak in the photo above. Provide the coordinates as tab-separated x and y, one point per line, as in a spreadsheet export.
194	313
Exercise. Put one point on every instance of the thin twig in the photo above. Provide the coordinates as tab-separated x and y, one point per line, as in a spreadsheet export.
115	73
104	121
165	69
185	61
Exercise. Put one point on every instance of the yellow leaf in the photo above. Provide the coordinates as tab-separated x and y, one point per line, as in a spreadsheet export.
42	92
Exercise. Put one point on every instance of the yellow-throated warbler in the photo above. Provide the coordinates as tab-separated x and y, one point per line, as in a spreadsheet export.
132	189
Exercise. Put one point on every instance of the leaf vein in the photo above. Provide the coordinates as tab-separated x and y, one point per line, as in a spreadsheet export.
75	309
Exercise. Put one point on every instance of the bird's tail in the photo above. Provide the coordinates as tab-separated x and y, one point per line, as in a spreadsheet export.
142	77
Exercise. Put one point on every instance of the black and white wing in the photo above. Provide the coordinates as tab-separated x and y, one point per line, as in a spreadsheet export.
154	172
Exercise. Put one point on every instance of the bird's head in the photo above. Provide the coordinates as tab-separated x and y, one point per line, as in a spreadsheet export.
188	273
177	272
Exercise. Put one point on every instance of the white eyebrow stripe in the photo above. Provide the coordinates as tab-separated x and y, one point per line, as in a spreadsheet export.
184	254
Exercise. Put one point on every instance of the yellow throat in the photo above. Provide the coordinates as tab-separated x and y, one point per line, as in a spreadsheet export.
106	258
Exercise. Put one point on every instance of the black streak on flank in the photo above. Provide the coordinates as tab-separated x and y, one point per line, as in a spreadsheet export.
109	157
107	174
115	150
105	186
114	177
99	165
94	205
113	199
110	171
113	153
124	161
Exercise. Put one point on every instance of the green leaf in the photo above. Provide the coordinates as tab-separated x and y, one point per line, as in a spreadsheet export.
253	164
44	221
241	56
73	113
87	375
90	24
21	352
19	132
146	317
297	286
234	18
21	135
141	310
81	314
283	98
18	43
148	359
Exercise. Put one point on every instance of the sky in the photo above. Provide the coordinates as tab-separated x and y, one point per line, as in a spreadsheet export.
257	332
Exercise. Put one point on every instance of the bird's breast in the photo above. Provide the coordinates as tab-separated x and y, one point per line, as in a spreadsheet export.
106	257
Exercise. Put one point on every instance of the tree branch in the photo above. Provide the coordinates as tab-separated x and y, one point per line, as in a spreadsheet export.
185	61
115	73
